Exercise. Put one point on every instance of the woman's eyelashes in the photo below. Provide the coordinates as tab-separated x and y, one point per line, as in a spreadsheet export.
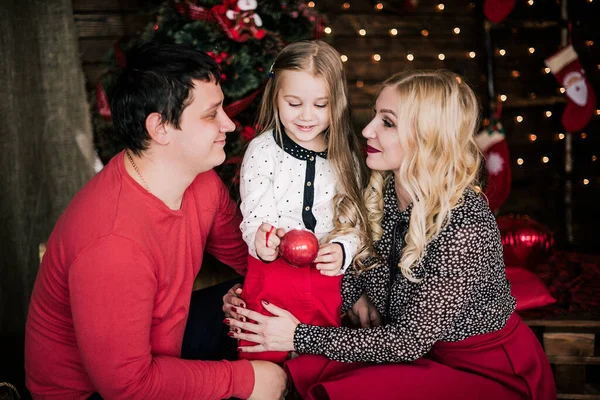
387	123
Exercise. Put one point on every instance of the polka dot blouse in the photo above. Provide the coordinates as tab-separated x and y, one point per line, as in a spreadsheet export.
463	290
289	187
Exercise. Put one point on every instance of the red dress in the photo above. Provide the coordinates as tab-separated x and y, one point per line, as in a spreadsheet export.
504	365
310	296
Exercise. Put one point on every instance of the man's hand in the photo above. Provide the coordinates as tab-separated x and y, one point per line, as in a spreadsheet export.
329	259
270	381
266	242
231	300
364	314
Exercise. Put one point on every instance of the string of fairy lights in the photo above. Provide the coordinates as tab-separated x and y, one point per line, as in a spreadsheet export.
499	52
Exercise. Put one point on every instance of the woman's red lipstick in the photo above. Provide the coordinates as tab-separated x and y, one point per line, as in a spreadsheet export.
372	150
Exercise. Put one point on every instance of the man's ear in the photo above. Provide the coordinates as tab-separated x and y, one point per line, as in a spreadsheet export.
157	128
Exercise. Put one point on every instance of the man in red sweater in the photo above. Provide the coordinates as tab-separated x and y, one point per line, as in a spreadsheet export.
110	303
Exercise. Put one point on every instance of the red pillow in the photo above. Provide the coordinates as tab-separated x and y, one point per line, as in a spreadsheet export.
528	289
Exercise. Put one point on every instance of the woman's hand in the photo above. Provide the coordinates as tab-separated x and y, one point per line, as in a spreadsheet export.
329	259
232	301
270	333
364	314
266	242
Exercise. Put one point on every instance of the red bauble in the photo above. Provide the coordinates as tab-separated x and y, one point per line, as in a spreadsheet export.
526	242
299	247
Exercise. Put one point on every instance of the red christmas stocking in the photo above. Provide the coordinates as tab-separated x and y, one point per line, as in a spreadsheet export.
581	100
497	10
491	141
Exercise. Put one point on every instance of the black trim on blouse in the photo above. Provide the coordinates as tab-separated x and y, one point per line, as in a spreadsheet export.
295	150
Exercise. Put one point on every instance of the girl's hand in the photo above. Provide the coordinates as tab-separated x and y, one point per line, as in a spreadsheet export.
270	333
266	242
329	259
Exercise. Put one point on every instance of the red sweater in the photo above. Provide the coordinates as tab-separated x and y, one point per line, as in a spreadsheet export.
111	299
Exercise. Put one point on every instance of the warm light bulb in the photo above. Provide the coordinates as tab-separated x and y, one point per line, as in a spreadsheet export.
393	31
548	114
344	58
533	137
441	6
456	30
583	135
502	52
327	30
531	50
520	161
589	43
362	32
360	84
515	74
311	4
376	57
425	32
503	97
441	56
530	2
594	158
597	112
519	118
532	95
410	57
562	90
472	54
379	6
545	159
586	181
346	5
547	70
561	136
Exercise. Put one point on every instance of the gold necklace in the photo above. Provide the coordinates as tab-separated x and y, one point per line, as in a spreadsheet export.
137	170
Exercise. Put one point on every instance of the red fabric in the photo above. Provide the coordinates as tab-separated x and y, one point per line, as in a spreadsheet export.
528	289
503	365
310	296
111	299
497	10
498	174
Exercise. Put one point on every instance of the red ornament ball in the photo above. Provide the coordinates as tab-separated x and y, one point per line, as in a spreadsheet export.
299	247
525	242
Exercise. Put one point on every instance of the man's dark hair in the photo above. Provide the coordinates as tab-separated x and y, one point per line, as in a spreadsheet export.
157	78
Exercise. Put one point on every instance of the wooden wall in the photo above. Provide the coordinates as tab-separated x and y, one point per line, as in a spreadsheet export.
538	188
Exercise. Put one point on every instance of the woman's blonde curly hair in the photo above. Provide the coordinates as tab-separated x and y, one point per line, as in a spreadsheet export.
437	118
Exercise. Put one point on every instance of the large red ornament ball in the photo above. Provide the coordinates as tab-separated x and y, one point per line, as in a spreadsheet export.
299	247
526	242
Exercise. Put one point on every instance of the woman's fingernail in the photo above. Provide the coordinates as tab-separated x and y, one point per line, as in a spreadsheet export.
265	302
226	321
233	309
230	334
243	305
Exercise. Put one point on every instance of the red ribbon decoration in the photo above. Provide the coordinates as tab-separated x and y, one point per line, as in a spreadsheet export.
102	101
194	12
236	107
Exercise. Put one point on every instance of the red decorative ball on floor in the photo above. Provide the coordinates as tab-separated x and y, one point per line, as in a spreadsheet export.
525	242
299	247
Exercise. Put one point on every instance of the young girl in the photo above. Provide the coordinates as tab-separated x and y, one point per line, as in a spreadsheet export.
303	171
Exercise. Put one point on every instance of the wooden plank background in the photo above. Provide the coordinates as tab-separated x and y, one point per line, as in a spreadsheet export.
538	188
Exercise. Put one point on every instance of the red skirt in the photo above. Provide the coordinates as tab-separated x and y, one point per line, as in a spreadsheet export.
311	297
504	365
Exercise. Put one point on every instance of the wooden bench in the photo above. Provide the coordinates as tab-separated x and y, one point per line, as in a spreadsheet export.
573	349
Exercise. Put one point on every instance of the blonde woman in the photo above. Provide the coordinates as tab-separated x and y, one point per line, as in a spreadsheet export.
436	276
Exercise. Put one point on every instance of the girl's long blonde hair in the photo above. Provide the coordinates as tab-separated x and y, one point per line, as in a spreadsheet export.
437	118
343	148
